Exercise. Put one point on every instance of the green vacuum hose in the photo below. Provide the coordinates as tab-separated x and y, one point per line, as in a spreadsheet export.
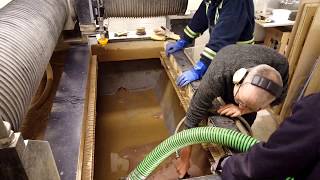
222	136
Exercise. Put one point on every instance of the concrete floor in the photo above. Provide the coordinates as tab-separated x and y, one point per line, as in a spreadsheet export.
264	125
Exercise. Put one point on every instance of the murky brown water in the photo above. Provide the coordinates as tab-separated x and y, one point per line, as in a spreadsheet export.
129	126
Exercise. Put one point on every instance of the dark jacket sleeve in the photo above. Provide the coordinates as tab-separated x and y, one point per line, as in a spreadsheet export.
211	86
197	25
289	151
233	18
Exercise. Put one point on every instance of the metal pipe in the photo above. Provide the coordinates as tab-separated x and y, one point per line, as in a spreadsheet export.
29	31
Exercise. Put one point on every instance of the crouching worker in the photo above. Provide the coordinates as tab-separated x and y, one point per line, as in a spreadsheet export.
247	77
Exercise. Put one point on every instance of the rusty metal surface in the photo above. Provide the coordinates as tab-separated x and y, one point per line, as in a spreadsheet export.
168	66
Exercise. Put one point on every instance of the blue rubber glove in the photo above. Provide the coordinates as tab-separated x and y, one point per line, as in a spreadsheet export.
193	74
177	46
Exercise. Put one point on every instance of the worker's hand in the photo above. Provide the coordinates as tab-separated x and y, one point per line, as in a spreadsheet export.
230	110
183	162
187	77
177	46
193	74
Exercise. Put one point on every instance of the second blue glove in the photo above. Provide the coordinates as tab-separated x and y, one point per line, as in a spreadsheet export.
187	77
193	74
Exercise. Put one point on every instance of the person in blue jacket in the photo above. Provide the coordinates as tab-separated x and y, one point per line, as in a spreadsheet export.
229	22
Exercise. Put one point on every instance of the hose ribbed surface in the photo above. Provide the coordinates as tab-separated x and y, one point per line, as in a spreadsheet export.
144	8
29	31
225	137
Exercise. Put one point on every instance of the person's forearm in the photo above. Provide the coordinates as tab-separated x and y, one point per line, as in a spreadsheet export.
197	110
183	161
185	153
211	86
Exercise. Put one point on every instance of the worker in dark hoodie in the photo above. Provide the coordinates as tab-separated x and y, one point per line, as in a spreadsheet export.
292	151
247	77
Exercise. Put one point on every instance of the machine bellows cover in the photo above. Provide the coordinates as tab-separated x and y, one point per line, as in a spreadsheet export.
144	8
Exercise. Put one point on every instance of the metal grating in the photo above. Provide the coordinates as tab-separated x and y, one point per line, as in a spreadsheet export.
144	8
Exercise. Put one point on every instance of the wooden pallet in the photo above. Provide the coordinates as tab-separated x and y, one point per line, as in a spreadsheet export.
307	58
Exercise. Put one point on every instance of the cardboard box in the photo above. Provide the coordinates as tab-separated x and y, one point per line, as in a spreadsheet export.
277	38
